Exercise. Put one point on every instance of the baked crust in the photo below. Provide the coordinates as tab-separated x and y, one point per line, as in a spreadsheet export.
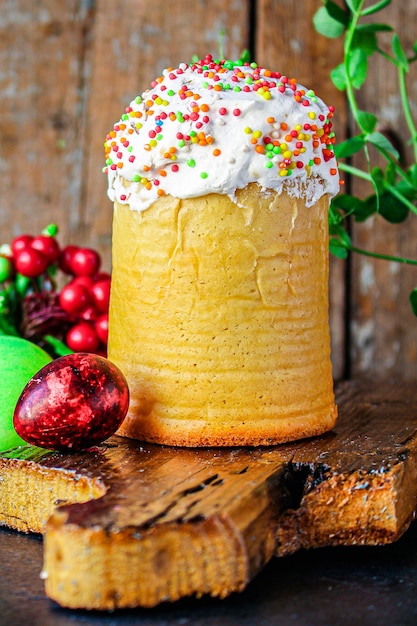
219	319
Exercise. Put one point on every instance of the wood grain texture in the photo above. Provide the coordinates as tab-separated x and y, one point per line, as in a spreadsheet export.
131	524
383	327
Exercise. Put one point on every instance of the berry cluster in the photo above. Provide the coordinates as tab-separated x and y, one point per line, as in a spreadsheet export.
73	318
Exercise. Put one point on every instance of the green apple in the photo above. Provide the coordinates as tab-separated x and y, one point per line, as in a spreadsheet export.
20	360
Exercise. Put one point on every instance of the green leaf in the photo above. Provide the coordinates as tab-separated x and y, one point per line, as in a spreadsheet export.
338	76
353	5
337	248
381	142
357	67
367	121
378	180
365	40
392	209
399	53
330	20
349	147
374	28
391	173
376	7
351	205
368	207
413	301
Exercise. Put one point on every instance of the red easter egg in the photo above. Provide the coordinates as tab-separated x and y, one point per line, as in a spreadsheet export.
74	402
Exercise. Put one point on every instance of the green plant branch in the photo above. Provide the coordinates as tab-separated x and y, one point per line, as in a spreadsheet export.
377	255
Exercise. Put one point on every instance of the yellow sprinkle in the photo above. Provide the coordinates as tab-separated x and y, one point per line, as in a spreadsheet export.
257	134
283	147
287	154
153	143
267	95
247	130
283	172
312	115
298	127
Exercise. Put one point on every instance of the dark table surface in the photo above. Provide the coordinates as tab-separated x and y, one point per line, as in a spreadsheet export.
325	587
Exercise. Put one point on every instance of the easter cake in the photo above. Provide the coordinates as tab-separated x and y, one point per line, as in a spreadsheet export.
221	176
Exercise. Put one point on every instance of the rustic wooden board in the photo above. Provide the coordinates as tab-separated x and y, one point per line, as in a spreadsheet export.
129	524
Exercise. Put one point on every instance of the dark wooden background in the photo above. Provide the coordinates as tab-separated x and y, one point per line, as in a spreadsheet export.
69	67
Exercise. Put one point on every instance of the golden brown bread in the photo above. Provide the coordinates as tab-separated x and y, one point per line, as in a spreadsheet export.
219	319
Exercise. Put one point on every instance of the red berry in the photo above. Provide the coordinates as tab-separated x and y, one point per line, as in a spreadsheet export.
102	328
48	246
30	262
102	276
82	338
65	258
85	281
85	261
74	298
90	314
101	295
20	243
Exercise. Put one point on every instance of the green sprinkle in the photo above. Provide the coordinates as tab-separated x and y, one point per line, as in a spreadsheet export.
136	178
171	92
237	88
125	116
269	154
276	150
192	133
269	164
130	148
204	175
138	99
181	143
191	163
159	137
205	84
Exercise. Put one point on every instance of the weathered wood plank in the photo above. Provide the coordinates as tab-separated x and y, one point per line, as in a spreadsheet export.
152	523
383	327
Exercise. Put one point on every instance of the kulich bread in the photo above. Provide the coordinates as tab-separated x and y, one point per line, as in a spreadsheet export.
219	299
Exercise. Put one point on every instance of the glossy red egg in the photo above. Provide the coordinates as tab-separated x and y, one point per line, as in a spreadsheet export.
72	403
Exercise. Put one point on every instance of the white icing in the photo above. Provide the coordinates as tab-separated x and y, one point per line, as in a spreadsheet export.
157	148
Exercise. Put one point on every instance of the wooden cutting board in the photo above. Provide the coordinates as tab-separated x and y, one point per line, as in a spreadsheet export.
128	524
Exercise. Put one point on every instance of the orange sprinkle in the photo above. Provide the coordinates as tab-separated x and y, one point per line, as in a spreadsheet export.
216	152
333	171
172	150
204	107
161	192
146	168
317	160
260	149
284	126
120	165
162	173
270	120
